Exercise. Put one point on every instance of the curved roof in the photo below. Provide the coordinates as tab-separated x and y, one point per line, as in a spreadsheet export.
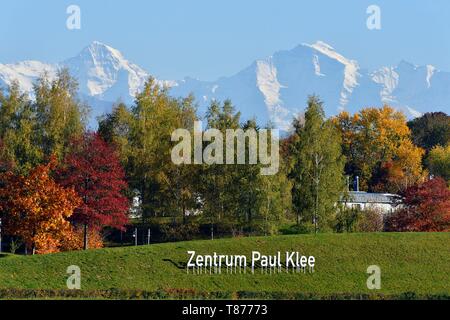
365	197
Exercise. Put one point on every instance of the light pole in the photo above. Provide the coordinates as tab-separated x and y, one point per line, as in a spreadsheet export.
135	236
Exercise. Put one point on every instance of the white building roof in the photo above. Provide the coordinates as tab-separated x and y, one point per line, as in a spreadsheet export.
365	197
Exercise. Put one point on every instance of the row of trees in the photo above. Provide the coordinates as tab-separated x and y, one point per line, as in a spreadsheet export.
235	195
68	184
59	184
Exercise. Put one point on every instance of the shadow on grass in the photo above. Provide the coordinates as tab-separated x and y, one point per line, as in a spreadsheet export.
179	265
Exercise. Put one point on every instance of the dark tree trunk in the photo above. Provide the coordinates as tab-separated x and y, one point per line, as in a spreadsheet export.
85	242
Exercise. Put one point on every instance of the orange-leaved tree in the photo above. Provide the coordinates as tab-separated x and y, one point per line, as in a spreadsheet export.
36	209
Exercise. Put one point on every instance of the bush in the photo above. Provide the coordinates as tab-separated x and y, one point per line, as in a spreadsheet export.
303	228
426	208
356	220
370	220
179	232
346	218
124	294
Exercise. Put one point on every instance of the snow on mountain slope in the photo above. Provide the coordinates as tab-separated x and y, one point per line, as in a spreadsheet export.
99	68
350	71
273	89
276	88
102	72
25	72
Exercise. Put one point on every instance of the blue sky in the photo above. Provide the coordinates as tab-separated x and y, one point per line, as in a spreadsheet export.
211	38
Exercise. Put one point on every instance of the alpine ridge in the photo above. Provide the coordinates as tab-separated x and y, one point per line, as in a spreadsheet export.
273	89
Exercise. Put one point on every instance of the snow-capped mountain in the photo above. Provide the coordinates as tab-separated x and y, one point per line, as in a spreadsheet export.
277	88
103	74
271	89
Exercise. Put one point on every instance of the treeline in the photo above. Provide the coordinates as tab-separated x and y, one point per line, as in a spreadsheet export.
60	185
49	159
234	195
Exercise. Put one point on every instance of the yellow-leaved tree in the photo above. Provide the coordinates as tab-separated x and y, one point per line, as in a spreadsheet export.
378	147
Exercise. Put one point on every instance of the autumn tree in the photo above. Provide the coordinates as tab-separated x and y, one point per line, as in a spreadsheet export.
93	169
425	208
317	167
402	171
36	208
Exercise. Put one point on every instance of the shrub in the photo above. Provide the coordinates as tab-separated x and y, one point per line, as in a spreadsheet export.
370	220
179	232
345	220
303	228
356	220
426	208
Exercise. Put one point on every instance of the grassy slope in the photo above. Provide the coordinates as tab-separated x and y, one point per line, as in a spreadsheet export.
412	262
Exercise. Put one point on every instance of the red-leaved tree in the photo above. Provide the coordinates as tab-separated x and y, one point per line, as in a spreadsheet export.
426	207
93	168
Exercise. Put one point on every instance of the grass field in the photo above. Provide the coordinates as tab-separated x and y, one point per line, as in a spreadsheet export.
417	263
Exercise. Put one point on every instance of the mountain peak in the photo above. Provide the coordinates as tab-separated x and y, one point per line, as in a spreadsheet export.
406	64
98	43
329	51
275	92
320	45
100	51
105	73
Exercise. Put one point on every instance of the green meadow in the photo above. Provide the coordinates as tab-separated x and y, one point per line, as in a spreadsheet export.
416	264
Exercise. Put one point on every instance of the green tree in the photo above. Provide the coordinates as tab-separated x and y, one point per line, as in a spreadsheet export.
219	181
276	201
115	128
183	179
142	135
430	130
60	115
17	131
439	162
317	167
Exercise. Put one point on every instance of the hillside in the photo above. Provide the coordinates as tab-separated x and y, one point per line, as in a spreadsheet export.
410	262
